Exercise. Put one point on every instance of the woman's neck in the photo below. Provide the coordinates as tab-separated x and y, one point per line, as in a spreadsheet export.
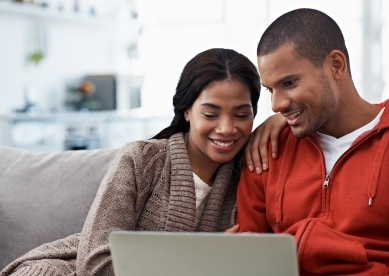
205	169
201	164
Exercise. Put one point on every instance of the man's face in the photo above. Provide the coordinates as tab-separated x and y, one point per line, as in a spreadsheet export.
300	91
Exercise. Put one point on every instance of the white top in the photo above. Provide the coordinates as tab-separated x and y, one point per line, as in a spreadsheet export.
333	147
202	191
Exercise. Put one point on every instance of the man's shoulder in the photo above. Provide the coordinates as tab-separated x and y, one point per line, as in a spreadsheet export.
288	140
384	120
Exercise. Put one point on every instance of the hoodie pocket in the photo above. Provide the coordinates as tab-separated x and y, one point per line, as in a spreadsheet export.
323	250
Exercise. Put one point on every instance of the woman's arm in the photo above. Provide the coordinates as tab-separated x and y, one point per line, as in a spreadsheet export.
113	209
256	150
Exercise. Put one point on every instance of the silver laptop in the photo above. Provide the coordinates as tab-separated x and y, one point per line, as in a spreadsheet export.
213	254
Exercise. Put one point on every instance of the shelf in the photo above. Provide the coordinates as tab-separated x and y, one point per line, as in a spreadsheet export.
46	13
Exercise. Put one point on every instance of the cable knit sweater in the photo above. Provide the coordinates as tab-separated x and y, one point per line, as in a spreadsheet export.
148	187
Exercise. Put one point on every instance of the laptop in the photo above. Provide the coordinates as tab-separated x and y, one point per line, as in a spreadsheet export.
213	254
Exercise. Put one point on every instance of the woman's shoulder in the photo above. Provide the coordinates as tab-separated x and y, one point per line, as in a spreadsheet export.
149	151
153	146
143	152
146	146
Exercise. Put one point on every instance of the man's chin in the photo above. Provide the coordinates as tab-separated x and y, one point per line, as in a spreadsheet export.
299	132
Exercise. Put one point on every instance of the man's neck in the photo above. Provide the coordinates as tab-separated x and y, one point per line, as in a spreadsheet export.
351	115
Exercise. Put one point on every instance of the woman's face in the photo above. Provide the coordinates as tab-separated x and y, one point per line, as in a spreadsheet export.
221	120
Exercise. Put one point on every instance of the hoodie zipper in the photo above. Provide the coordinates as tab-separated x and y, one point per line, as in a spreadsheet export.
326	182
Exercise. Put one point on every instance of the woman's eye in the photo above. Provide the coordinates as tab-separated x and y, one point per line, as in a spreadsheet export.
269	89
208	115
242	116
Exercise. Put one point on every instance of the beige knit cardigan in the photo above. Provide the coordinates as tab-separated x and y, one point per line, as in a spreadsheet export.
149	187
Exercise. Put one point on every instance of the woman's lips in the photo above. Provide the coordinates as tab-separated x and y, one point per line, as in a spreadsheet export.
223	145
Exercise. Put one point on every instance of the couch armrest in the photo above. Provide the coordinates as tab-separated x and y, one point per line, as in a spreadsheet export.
46	196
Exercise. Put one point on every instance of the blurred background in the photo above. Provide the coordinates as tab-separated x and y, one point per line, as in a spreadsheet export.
86	74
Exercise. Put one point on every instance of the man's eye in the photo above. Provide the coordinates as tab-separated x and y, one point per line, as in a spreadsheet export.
289	83
269	89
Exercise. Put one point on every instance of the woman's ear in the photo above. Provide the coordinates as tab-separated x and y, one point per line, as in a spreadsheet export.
338	64
186	115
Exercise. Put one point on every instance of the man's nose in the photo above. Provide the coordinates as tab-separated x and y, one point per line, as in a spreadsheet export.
279	102
226	127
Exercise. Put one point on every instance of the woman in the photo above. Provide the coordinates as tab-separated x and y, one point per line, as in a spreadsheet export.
183	179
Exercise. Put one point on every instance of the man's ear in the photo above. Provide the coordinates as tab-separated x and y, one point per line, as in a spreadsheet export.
338	64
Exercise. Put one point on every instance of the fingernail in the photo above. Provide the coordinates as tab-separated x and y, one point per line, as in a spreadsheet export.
264	166
258	170
274	155
251	168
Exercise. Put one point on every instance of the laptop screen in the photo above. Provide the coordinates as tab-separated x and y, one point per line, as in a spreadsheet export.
216	254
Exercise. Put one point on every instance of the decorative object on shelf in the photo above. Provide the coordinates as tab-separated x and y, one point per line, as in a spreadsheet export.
80	96
83	137
86	12
38	43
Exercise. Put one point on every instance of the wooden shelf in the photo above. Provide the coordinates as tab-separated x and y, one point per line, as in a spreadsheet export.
46	13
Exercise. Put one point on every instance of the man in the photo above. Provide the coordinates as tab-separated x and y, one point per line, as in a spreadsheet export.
329	186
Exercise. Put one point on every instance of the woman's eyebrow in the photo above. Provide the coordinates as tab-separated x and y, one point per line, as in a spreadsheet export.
211	105
242	106
219	108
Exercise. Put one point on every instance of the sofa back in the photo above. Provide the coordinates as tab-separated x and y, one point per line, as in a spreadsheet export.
46	196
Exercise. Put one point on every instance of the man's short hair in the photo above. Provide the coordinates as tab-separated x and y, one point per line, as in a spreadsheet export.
313	33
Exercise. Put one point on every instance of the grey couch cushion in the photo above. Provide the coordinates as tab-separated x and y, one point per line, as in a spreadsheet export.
45	196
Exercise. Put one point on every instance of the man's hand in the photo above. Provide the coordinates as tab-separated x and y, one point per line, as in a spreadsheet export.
256	148
233	229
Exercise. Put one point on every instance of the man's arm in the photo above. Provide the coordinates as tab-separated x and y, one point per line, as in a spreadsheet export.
251	205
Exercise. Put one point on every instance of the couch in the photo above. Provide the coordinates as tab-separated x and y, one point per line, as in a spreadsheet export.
46	196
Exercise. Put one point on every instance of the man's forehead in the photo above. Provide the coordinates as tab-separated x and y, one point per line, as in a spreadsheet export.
281	64
285	52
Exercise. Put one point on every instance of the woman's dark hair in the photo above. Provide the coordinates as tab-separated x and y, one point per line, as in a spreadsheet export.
206	67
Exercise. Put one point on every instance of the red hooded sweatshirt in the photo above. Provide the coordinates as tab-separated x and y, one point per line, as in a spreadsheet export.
340	221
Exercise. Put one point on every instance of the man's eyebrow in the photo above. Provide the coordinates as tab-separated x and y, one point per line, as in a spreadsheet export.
219	108
282	80
285	78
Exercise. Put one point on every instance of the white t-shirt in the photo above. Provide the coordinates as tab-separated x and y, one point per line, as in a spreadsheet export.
333	147
202	191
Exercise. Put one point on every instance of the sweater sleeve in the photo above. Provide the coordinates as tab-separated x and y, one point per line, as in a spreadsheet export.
251	204
51	259
113	209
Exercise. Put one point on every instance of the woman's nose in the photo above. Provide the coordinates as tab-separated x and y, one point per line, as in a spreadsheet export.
226	127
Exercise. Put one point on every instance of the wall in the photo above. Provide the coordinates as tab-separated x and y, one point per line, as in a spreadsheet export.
175	31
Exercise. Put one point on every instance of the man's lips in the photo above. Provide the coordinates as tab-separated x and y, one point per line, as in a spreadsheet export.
292	117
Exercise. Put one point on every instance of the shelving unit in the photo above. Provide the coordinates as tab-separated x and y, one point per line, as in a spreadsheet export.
47	13
55	131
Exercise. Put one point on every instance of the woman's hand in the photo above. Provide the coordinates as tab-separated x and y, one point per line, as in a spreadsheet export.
256	148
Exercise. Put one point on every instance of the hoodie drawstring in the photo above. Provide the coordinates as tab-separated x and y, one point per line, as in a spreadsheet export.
376	167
